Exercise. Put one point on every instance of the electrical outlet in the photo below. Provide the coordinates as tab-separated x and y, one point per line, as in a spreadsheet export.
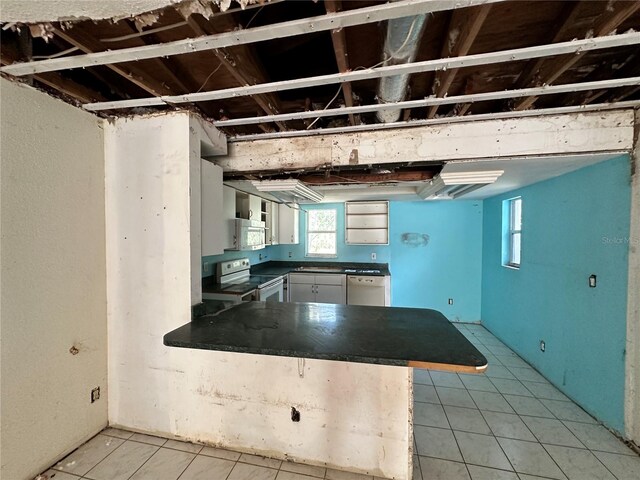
373	255
95	394
451	301
543	345
290	254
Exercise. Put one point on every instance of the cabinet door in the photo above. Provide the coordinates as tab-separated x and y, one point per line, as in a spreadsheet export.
331	294
227	224
255	208
302	292
288	224
275	222
213	237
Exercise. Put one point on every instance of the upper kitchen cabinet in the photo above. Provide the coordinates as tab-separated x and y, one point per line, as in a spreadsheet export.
270	216
248	206
228	219
367	223
213	237
288	224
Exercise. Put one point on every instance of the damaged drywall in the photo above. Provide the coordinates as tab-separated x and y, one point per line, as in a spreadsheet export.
19	11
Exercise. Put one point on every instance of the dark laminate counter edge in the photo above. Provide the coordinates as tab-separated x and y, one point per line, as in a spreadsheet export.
282	267
377	335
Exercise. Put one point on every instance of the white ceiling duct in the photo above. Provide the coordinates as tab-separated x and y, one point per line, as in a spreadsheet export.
447	186
400	46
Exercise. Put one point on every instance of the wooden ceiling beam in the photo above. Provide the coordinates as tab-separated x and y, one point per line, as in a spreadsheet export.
463	30
64	85
133	74
339	40
608	21
566	21
360	177
236	68
183	79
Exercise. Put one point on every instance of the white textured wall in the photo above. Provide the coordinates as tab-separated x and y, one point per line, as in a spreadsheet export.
354	416
53	292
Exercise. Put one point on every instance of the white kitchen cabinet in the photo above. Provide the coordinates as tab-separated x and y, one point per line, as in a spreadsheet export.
288	224
367	223
272	222
302	292
228	219
320	288
212	209
248	206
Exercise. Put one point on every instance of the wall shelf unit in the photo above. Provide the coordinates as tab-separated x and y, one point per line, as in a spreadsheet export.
367	223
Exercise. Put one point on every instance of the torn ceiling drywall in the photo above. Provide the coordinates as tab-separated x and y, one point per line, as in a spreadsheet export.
32	11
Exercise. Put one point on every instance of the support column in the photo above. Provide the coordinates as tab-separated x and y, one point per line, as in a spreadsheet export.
632	389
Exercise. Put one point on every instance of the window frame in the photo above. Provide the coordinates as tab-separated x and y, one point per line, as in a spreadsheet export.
308	253
512	232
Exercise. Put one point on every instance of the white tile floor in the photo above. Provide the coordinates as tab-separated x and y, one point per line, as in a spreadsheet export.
510	424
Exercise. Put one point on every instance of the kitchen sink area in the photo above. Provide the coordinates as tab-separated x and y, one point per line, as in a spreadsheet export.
310	268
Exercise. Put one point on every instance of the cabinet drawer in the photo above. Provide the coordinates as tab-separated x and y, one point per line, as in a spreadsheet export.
367	221
305	278
377	236
330	279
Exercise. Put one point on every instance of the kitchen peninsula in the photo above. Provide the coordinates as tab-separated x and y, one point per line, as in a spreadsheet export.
343	368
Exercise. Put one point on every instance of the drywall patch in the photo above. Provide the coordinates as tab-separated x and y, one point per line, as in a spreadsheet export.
415	240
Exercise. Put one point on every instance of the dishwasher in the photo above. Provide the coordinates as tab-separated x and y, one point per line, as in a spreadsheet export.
367	290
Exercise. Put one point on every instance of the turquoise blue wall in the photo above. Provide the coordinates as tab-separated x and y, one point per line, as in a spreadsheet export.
449	266
573	226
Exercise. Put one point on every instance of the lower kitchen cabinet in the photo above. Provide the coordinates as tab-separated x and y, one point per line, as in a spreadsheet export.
321	288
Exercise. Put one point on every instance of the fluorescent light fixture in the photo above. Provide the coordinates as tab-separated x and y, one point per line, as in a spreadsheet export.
447	186
293	189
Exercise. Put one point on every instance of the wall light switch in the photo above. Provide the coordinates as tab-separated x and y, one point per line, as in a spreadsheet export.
373	255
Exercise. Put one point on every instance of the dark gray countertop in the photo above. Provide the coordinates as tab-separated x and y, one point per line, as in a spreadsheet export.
284	267
277	268
365	334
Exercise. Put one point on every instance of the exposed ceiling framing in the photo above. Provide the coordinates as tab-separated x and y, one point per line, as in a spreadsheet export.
272	70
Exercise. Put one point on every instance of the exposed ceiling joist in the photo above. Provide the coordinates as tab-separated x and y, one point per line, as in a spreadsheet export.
339	41
609	22
439	121
236	69
132	74
65	85
376	13
360	177
463	30
532	68
407	68
408	104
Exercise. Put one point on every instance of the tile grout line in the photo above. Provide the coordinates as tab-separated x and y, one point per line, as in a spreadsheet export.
108	455
150	457
491	430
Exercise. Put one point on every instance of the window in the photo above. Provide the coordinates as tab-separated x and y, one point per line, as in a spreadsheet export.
514	232
321	233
